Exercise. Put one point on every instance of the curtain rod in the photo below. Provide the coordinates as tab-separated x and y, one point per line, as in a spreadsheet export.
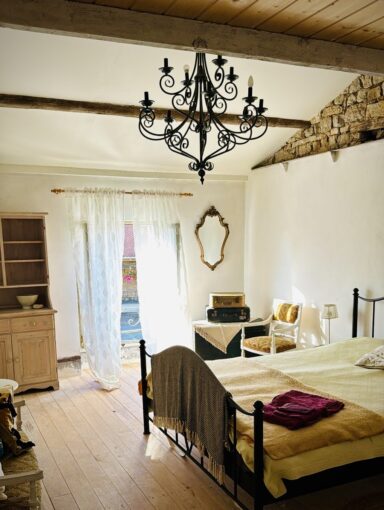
58	191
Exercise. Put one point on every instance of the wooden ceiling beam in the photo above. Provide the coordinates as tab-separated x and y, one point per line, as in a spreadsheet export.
66	105
121	25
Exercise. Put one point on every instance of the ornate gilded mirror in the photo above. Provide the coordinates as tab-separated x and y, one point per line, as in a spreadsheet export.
212	233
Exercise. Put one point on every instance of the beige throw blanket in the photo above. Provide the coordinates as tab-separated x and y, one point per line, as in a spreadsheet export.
263	383
188	398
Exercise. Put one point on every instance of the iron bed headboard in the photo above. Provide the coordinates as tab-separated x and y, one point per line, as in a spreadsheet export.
355	315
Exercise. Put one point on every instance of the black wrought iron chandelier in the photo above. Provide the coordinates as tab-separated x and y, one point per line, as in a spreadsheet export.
201	105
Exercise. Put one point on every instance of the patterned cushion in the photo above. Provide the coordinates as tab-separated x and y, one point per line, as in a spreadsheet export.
374	359
285	312
263	343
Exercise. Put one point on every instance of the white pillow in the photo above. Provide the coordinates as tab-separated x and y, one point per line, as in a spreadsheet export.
374	359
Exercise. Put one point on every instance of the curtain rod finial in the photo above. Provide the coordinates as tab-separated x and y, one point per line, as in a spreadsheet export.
57	191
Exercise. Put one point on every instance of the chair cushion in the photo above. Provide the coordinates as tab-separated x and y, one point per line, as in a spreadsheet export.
263	343
285	312
25	462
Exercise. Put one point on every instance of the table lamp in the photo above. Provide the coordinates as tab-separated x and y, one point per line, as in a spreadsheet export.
329	312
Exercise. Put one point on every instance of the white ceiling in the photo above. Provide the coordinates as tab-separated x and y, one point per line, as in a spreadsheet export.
91	70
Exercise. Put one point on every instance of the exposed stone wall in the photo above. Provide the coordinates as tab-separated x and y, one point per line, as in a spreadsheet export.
355	116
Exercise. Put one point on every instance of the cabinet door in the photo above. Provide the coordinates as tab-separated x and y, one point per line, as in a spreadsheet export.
34	357
6	361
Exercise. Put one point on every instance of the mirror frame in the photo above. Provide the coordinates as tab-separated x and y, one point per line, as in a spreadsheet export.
212	211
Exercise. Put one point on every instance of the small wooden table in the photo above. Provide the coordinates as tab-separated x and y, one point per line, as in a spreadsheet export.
209	351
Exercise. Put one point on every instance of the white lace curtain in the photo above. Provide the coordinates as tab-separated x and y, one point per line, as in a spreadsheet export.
161	274
97	226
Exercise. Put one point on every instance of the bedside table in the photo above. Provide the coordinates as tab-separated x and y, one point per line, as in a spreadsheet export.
221	340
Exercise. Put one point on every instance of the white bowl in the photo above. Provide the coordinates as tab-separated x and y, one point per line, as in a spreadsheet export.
27	301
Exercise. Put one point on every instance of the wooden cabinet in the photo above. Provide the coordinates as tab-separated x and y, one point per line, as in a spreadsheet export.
27	336
6	357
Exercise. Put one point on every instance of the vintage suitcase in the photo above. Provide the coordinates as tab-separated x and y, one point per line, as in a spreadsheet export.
237	314
226	299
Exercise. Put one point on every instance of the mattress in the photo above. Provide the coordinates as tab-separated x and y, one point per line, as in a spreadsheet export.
329	369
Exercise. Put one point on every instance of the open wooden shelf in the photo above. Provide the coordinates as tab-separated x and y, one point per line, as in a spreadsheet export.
23	258
28	335
26	261
23	242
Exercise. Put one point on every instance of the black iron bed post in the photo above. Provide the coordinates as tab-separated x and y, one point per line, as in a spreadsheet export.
373	319
355	312
143	366
258	456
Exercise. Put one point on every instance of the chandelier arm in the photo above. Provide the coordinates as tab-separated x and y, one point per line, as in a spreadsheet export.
178	130
192	106
220	104
146	121
151	135
177	134
219	74
169	140
170	92
231	95
178	93
223	149
174	149
258	122
218	101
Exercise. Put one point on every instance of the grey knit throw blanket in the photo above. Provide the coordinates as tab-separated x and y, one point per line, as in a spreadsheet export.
188	398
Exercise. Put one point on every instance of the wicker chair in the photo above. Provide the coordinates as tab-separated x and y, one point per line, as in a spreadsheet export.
284	330
21	475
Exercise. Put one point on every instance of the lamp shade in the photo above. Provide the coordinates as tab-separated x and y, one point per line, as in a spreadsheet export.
329	312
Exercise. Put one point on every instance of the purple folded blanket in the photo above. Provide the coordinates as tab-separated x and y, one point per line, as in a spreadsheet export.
295	409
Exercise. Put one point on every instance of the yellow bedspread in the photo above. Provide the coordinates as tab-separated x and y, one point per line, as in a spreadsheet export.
328	369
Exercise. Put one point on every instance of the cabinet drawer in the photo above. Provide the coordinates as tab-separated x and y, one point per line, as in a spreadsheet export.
4	326
35	323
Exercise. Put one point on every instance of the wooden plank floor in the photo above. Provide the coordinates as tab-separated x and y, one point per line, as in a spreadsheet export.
94	455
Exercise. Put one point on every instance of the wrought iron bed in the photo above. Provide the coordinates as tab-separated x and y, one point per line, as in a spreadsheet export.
238	476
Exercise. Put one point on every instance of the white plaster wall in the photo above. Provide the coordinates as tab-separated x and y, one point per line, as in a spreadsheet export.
314	233
31	193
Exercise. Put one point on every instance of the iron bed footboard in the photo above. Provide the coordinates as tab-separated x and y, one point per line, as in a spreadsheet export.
257	477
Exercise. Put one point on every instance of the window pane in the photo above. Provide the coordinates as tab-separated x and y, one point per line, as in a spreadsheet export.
130	319
129	243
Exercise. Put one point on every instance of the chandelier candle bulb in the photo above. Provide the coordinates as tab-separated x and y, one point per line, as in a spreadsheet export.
186	71
250	82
